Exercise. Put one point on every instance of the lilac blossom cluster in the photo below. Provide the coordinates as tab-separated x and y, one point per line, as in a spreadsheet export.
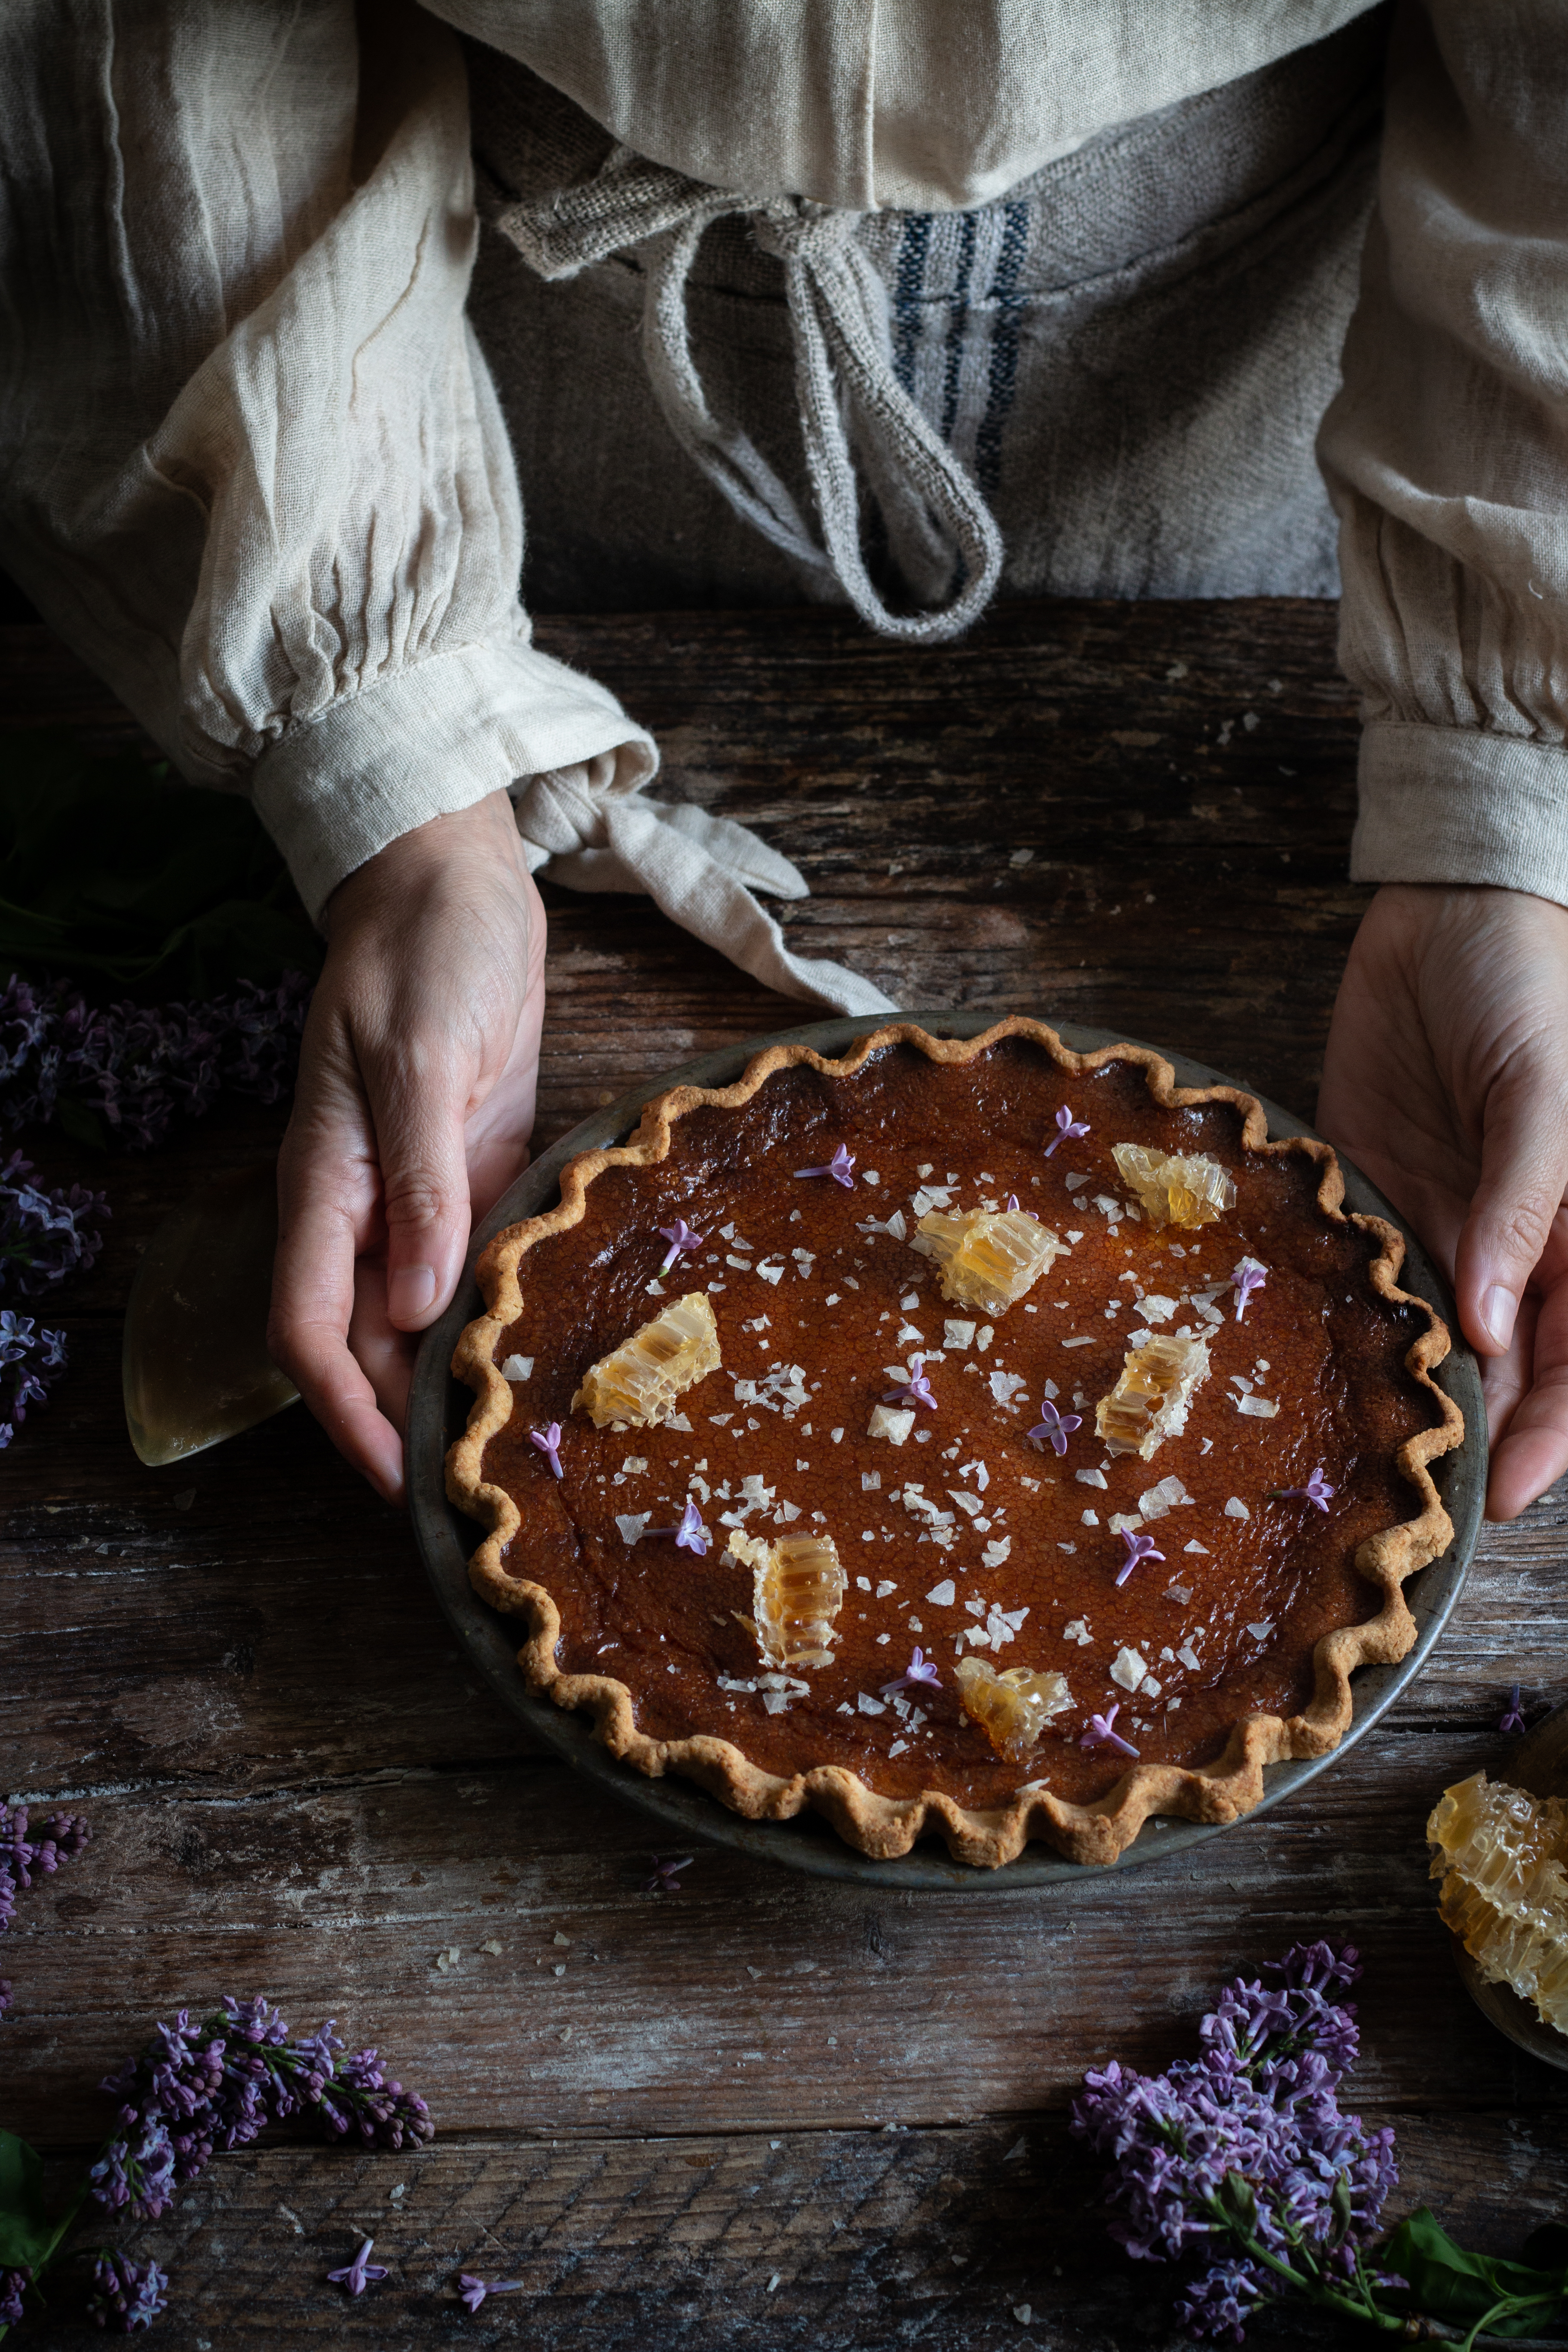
215	2084
26	1852
134	1067
126	2295
44	1236
31	1361
1242	2154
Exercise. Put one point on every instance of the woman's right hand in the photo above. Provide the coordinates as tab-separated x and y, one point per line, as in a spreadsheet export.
412	1112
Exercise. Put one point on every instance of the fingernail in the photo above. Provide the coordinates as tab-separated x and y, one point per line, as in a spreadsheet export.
1497	1309
409	1291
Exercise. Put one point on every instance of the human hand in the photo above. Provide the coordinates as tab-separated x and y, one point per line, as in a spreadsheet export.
1446	1079
412	1115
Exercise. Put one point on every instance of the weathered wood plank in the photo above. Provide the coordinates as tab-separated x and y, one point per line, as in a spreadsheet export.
965	2240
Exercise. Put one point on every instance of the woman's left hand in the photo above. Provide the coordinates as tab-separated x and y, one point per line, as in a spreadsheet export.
1446	1079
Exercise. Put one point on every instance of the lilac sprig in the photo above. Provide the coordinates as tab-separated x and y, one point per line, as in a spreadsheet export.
26	1852
45	1235
125	2295
14	2285
216	2083
1243	2157
136	1066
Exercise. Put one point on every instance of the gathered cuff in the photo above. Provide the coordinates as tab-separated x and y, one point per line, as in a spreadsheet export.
430	740
1453	804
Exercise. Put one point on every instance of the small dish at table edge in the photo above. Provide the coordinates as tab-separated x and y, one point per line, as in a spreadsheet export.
438	1410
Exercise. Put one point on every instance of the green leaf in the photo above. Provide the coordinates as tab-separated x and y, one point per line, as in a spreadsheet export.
1448	2282
25	2231
1237	2198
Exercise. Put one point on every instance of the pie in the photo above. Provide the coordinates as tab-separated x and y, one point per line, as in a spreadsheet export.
976	1439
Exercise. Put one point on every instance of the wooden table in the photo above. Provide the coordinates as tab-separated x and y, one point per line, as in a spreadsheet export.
772	2110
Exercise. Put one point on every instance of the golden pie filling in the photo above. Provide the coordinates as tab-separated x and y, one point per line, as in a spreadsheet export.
958	1437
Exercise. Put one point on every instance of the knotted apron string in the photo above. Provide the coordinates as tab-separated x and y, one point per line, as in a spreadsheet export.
837	310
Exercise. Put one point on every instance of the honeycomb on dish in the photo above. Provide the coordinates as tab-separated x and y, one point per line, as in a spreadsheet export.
641	1381
1500	1854
1152	1393
1175	1188
797	1590
987	1257
1012	1709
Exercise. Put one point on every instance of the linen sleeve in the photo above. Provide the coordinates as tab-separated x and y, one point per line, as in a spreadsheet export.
1447	455
251	464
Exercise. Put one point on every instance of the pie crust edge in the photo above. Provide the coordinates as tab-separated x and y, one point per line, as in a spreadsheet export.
885	1826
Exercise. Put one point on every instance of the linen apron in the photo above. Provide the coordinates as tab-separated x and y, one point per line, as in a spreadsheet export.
1106	384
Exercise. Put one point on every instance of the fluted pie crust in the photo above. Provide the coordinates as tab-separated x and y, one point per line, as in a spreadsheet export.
1097	1832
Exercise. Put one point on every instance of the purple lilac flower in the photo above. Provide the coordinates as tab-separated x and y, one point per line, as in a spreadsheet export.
134	1067
1316	1490
31	1361
1512	1719
215	2085
680	1238
549	1442
916	1390
1102	1732
664	1880
1067	1126
25	1851
43	1235
359	2273
1248	1277
1012	1203
840	1168
920	1669
1244	2151
1053	1426
1139	1547
691	1535
126	2295
13	2285
473	2290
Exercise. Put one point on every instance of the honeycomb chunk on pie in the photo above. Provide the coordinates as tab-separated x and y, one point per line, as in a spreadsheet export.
1500	1856
1175	1188
641	1381
1011	1708
797	1590
1150	1401
987	1257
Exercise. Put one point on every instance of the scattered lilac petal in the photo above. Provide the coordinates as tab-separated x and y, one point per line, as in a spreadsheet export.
359	2273
1249	1275
1102	1733
1316	1490
840	1168
1512	1719
1139	1547
549	1443
664	1880
1055	1427
691	1535
920	1669
473	2291
1067	1126
916	1390
1011	1204
681	1239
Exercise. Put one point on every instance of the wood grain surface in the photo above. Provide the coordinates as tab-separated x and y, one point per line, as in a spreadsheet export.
768	2111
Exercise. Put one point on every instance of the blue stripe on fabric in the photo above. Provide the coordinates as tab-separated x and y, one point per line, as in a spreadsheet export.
1003	381
909	287
957	324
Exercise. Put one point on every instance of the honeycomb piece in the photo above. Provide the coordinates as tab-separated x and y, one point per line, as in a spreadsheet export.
640	1380
987	1258
1011	1708
1175	1189
1500	1856
1150	1401
797	1590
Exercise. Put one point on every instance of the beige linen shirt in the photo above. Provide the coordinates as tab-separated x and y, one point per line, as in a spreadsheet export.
251	465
